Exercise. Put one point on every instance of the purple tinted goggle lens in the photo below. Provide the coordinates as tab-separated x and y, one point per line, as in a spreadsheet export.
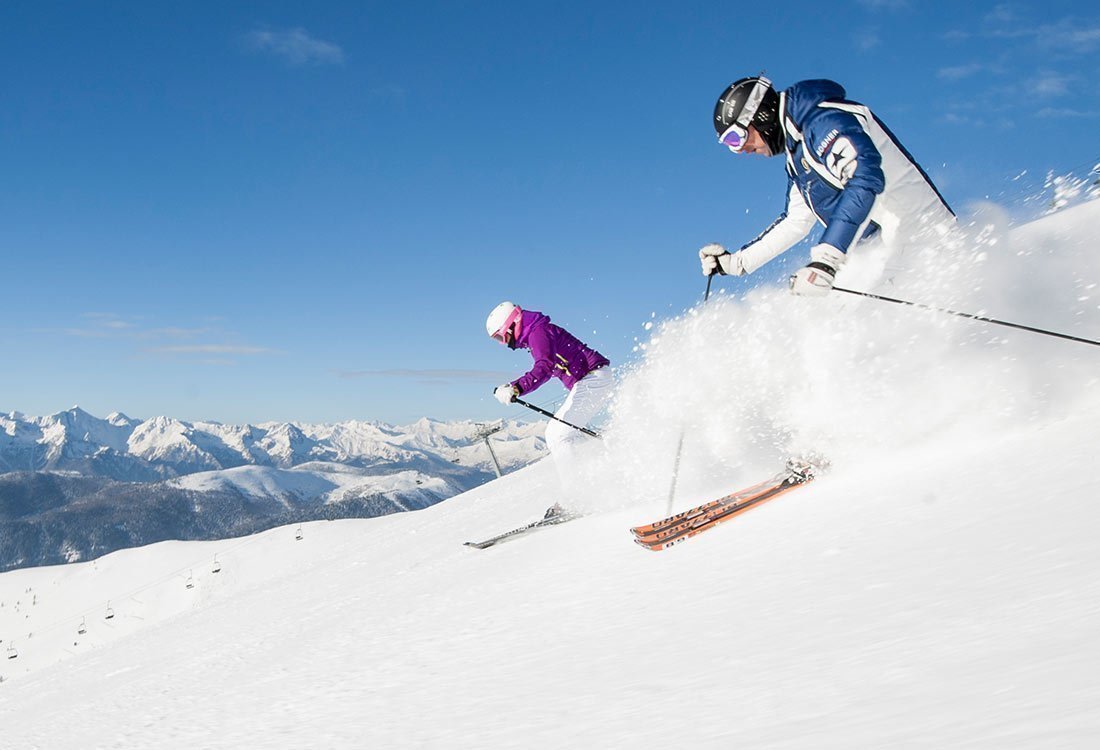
734	138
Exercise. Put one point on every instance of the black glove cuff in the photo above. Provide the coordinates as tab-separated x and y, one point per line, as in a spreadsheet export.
819	266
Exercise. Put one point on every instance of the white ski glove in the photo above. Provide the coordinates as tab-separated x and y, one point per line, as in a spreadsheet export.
506	393
816	279
716	259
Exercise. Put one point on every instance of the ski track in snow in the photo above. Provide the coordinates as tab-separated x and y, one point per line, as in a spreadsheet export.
937	588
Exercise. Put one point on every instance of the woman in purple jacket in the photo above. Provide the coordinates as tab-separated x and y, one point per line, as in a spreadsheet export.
583	371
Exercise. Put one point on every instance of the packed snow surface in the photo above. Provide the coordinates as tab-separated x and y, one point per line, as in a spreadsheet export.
938	588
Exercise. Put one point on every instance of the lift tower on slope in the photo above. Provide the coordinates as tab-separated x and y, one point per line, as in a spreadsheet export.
483	433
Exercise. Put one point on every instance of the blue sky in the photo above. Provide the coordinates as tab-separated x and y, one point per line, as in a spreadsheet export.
301	211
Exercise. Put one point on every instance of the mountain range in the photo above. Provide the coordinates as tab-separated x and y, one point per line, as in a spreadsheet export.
74	486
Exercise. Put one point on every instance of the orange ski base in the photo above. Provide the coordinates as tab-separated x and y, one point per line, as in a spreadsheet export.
679	532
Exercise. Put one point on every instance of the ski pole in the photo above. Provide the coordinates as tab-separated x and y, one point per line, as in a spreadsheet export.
545	413
982	318
680	443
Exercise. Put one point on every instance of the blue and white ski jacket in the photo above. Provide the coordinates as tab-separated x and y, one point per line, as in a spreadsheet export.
846	170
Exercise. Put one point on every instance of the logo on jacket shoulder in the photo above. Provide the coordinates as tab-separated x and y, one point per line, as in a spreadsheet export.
842	161
826	142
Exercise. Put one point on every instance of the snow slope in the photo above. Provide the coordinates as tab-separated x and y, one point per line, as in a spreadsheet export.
937	589
326	481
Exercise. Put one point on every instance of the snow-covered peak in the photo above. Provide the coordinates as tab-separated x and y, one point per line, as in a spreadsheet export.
165	440
158	431
119	419
74	432
129	449
287	445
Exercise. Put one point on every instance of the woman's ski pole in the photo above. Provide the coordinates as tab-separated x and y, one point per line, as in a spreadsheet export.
532	407
982	318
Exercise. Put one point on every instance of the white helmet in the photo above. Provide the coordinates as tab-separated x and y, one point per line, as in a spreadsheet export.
505	318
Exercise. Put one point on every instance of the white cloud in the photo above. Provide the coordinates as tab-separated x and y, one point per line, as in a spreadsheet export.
210	349
163	340
430	376
1068	36
868	39
1003	13
884	4
956	72
954	118
104	322
1058	113
295	46
1050	84
1018	40
102	325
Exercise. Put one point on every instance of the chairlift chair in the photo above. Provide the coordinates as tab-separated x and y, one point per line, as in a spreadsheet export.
110	613
83	626
12	653
217	566
298	534
190	580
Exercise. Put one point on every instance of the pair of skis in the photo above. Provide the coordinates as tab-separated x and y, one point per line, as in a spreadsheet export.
694	521
682	526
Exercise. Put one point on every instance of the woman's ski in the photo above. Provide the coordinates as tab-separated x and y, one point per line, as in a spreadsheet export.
553	517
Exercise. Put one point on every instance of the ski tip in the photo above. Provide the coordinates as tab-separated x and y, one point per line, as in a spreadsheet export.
808	466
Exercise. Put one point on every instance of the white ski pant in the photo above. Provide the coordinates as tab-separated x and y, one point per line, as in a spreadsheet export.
588	397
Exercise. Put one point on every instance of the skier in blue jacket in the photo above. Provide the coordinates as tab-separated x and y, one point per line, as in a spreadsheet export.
845	169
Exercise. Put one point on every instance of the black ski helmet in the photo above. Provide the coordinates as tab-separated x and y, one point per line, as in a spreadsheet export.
729	110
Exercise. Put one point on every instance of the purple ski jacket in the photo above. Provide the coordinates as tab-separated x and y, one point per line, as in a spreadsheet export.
557	353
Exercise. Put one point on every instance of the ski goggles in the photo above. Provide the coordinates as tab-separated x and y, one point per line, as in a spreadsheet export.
513	319
734	138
